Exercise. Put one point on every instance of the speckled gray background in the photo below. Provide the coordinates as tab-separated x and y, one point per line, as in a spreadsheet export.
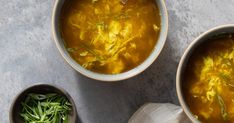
28	55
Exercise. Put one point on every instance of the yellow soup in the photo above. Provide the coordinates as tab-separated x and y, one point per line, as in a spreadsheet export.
209	81
110	36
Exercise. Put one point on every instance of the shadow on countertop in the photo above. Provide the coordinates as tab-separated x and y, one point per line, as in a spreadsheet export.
115	102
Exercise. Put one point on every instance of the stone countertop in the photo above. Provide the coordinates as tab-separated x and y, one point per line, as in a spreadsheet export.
28	56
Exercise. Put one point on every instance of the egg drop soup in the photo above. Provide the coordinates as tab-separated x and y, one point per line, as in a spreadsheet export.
110	36
208	85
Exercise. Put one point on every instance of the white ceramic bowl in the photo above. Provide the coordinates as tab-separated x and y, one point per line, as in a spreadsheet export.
109	77
183	62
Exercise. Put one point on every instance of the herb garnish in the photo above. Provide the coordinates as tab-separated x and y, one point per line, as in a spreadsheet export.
45	108
222	107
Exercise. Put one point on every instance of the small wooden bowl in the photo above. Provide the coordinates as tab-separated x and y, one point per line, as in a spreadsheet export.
41	89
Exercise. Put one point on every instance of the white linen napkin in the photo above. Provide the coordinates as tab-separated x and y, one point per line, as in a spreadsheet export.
159	113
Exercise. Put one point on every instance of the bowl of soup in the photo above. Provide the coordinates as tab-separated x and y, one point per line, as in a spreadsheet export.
110	40
205	77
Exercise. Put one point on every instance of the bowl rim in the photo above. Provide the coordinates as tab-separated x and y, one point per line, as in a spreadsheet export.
63	91
190	49
112	77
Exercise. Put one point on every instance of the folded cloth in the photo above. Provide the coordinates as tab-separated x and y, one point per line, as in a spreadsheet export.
159	113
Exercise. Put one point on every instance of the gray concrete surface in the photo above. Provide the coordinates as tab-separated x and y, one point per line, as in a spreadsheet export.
28	56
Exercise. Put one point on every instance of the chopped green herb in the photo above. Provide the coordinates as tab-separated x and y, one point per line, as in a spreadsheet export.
223	107
102	26
45	108
72	49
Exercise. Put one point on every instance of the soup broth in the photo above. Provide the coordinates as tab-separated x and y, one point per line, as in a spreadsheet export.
109	36
208	84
